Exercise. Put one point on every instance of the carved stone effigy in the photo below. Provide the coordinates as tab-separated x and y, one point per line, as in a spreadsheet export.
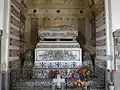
63	54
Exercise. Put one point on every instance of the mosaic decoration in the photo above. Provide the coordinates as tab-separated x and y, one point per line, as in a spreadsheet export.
58	64
42	75
21	78
48	83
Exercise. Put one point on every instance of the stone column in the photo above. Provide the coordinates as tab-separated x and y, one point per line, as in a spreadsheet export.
4	24
112	14
1	28
1	13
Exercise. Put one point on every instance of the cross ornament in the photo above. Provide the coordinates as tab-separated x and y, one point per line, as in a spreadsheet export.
58	81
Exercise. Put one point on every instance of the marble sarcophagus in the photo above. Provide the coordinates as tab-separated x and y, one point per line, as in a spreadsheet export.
57	50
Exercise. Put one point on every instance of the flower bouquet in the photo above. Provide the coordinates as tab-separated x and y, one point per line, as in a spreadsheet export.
84	73
84	77
80	83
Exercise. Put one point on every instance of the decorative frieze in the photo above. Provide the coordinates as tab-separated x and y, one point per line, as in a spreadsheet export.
60	46
57	64
57	55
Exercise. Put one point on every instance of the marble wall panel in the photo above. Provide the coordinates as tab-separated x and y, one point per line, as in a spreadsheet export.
14	64
14	32
101	23
16	3
101	42
14	53
101	33
14	42
100	8
101	52
15	12
101	15
101	62
15	21
100	20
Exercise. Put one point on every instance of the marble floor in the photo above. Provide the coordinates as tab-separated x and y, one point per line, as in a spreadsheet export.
45	89
32	88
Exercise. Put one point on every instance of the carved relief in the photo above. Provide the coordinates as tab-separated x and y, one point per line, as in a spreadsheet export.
58	55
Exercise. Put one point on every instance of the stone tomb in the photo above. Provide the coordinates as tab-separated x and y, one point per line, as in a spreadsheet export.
57	51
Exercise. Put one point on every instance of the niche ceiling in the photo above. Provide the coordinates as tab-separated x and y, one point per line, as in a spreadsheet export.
57	3
52	13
